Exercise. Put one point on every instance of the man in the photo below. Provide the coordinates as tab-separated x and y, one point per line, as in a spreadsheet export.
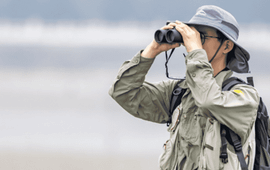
213	54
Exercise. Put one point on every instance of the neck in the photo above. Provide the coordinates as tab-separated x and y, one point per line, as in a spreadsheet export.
216	71
218	66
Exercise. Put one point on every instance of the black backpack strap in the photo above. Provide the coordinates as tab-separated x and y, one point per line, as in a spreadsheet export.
232	138
262	138
228	134
223	150
236	142
250	81
177	94
230	82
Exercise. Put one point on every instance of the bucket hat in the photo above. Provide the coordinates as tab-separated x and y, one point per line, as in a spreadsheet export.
218	18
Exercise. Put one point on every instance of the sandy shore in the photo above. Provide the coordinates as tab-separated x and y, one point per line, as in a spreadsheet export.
13	160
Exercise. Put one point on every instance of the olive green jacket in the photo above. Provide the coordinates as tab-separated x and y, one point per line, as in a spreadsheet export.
204	100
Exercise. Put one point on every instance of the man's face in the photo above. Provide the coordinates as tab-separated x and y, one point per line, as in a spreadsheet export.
210	44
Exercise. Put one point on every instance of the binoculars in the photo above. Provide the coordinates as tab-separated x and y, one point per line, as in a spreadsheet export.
168	36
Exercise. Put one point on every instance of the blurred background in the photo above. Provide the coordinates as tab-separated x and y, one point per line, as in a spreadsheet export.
58	60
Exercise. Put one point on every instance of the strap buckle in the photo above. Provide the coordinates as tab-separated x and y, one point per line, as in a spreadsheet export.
237	146
223	152
224	157
169	122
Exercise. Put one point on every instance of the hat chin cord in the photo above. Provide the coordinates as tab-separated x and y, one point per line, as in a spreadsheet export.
217	51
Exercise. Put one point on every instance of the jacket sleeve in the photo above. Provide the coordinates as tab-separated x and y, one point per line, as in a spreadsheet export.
237	108
148	101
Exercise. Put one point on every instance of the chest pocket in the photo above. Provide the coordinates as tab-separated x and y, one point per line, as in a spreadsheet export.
190	127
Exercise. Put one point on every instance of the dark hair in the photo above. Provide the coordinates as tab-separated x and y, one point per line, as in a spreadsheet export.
223	38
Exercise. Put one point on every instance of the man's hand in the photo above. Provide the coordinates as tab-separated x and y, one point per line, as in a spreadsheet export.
191	36
154	48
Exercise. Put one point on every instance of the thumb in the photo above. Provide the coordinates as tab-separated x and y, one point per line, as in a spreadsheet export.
176	45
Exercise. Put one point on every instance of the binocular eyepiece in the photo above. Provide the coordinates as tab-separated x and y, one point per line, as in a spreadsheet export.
168	36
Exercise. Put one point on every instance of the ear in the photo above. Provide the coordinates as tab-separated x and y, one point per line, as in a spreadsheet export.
227	46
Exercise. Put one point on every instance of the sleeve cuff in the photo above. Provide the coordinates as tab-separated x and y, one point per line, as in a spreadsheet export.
142	64
142	60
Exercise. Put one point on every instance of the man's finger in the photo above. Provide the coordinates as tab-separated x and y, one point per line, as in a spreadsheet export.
172	24
194	29
179	28
176	45
167	27
178	22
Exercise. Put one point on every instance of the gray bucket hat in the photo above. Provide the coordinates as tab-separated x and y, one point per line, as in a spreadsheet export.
213	16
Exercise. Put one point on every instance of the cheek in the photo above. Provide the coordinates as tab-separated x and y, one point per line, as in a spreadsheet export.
210	49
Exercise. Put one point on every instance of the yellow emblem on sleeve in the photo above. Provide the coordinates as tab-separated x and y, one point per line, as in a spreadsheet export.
239	92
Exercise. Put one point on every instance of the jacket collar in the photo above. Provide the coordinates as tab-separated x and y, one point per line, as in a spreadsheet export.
222	76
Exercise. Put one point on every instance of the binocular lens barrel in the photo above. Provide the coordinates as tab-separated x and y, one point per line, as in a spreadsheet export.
173	36
160	36
168	36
